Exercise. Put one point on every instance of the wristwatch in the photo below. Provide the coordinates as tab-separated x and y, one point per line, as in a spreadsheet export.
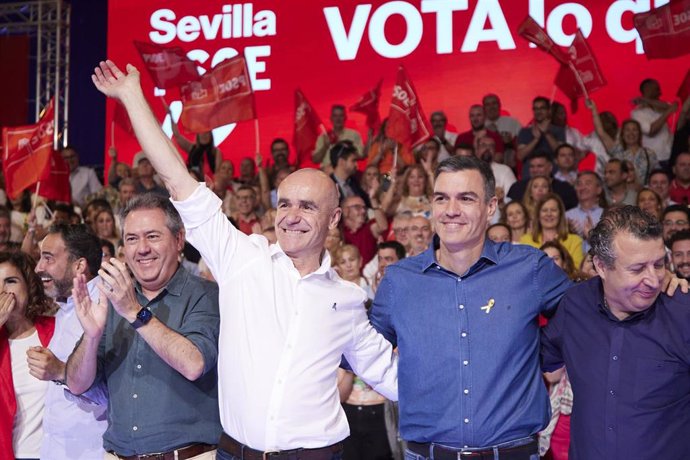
143	318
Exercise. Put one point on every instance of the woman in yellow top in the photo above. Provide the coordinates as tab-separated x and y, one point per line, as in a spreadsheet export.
551	225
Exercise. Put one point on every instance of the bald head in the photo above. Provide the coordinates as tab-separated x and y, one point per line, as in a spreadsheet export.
318	183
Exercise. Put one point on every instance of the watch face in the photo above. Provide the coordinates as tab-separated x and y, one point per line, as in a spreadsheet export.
144	315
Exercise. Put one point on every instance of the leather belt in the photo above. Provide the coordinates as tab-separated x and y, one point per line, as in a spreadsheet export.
182	453
448	453
243	452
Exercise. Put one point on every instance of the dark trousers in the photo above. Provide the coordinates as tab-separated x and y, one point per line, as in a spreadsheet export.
368	439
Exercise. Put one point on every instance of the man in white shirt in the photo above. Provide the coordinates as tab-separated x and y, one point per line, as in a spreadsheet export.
652	114
82	180
73	426
286	316
446	139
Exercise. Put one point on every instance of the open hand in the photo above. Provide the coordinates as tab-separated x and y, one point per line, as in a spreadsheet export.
92	316
110	80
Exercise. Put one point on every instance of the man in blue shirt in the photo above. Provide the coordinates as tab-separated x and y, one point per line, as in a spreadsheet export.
463	316
625	347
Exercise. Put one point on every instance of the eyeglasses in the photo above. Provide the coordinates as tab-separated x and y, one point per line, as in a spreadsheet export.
680	223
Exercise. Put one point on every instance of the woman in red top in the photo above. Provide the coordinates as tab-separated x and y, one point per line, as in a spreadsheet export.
23	327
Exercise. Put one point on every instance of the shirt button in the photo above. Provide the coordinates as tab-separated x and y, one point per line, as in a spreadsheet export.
135	428
610	428
135	396
466	391
615	357
280	381
459	279
464	334
465	363
461	307
467	420
613	393
138	366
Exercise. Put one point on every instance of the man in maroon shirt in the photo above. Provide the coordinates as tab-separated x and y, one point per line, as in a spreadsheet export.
477	121
680	186
358	230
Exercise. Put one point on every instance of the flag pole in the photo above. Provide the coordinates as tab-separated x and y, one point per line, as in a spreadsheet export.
579	80
112	133
553	93
256	135
395	157
35	200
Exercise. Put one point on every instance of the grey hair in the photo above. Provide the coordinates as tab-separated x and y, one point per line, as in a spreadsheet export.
458	163
152	201
629	219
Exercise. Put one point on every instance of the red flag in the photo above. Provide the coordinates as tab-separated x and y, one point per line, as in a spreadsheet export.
406	121
307	129
533	32
665	31
369	105
26	152
168	67
121	118
684	90
583	75
55	180
222	96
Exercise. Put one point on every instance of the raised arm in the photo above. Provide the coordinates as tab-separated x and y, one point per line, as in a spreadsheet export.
160	150
182	141
661	121
607	140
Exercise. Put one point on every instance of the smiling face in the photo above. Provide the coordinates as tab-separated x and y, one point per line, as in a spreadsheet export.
419	234
55	267
680	254
307	209
461	211
151	250
587	188
635	280
630	134
549	215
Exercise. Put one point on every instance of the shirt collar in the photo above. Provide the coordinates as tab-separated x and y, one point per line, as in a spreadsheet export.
277	252
91	287
488	255
174	286
604	310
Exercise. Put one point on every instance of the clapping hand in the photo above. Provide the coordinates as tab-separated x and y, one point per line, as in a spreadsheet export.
92	316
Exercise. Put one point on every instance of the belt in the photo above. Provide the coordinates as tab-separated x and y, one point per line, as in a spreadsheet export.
243	452
178	454
448	453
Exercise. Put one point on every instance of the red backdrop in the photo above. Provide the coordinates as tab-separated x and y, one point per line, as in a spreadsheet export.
453	57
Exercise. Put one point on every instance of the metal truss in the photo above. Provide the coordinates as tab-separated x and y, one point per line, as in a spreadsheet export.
47	23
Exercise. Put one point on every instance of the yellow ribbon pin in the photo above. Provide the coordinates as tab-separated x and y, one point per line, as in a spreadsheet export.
489	306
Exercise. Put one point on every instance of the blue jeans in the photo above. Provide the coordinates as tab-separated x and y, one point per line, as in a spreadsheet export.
223	455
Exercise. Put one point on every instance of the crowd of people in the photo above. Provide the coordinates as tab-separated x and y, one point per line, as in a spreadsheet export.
186	311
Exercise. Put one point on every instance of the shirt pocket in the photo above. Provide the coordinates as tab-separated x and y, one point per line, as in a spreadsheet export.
658	383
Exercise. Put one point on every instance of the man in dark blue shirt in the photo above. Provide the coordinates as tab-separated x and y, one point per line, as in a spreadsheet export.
625	347
463	316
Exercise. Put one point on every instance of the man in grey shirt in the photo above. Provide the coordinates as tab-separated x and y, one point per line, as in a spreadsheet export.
157	347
